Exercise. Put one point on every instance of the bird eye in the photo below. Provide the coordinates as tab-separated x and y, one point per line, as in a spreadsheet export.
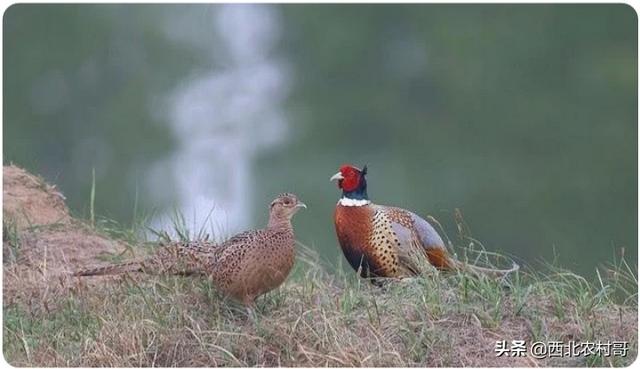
287	201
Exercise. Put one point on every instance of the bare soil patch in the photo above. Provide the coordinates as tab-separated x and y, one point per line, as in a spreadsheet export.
42	243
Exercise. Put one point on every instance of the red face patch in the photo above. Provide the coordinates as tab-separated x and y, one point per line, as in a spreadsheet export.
351	178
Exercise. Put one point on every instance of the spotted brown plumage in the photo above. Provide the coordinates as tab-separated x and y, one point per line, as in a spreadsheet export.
243	267
386	241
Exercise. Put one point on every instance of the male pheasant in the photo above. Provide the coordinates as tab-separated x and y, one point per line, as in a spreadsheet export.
243	267
385	241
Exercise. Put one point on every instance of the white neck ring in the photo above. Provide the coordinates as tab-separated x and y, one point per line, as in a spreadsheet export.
353	202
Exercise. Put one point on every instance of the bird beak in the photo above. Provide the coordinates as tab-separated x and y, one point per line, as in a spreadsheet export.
301	205
336	176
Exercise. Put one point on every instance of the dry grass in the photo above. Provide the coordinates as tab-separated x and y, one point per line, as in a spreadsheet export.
28	200
322	316
315	319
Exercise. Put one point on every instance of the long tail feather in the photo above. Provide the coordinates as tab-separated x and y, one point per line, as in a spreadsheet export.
480	270
132	266
173	259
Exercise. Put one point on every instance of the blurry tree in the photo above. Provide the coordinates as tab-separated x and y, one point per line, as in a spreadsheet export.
80	83
523	116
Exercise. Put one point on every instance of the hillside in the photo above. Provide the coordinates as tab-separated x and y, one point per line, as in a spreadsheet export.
321	316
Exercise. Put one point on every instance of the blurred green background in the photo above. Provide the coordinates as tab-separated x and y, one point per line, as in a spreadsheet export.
523	116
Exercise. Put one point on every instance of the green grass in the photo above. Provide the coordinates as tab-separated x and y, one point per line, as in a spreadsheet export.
11	237
322	316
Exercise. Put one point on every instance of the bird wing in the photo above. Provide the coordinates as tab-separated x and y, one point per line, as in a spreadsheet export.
243	237
233	244
392	227
429	237
207	254
416	237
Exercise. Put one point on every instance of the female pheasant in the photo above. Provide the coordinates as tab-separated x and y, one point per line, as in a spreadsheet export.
385	241
244	267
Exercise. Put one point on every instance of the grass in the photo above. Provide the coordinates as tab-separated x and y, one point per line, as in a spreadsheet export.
322	316
11	237
92	198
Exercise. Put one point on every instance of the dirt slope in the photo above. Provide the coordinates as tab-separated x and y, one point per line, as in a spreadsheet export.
42	243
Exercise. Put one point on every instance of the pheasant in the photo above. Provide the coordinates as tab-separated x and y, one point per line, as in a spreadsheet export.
386	241
243	267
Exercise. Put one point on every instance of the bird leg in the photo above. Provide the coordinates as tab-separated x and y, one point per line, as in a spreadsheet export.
250	306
